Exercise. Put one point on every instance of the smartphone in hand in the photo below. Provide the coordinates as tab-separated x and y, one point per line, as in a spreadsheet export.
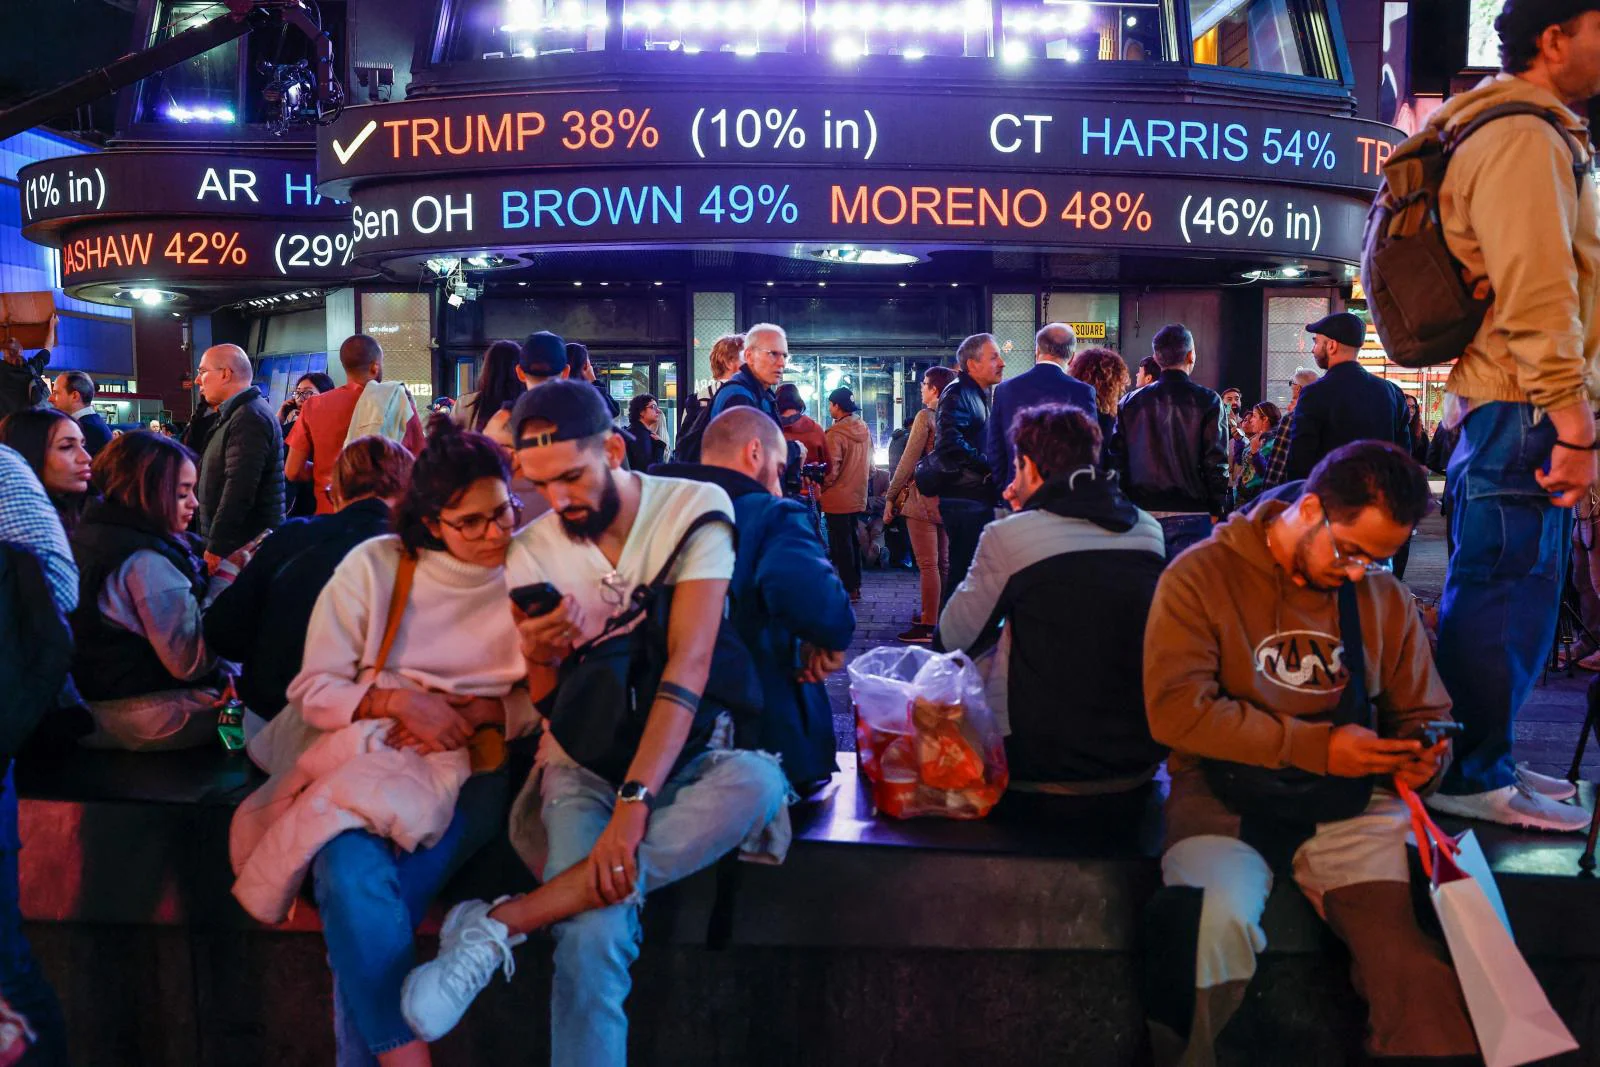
535	600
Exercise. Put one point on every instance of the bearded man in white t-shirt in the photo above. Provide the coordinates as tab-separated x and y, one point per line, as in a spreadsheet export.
597	847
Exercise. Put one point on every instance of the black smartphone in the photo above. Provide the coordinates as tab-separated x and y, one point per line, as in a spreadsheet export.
1438	730
538	599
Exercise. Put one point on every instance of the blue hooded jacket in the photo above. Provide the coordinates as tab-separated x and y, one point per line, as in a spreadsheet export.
784	593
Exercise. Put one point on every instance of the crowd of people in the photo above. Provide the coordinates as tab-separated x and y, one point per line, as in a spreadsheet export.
1150	575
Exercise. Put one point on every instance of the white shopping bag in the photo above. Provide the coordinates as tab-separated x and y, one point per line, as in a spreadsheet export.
1511	1016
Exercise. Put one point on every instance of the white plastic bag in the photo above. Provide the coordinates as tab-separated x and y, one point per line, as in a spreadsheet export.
926	739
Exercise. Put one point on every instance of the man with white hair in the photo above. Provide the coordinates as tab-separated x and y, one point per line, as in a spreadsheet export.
1278	465
241	481
766	353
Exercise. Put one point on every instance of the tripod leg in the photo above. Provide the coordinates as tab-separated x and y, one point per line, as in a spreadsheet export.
1589	724
1586	861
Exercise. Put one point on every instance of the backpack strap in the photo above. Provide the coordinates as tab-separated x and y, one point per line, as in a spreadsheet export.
1356	704
1580	165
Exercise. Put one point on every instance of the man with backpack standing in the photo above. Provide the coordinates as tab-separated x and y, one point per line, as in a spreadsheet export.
1521	217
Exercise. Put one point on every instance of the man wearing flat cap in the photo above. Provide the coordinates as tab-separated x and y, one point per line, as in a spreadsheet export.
1347	403
1520	214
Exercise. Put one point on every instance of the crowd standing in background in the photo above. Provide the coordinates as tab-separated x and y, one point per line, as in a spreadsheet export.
1146	574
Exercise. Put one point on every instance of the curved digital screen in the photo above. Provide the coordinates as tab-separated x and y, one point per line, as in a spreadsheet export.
897	207
115	184
929	130
179	251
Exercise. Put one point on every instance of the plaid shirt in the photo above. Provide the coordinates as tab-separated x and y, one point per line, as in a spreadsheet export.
1278	462
28	520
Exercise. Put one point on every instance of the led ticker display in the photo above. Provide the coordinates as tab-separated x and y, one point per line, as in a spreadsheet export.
178	251
929	130
679	205
108	185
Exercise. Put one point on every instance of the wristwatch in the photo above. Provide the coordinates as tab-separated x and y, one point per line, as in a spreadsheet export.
636	793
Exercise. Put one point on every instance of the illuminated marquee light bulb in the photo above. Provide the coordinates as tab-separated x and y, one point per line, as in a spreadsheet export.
680	15
709	15
978	14
747	49
736	17
1021	22
598	21
914	53
1014	52
846	51
1073	55
948	20
1132	22
896	17
791	19
1077	16
691	49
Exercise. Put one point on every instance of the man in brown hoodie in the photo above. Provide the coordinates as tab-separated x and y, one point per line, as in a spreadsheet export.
1246	667
1520	213
844	490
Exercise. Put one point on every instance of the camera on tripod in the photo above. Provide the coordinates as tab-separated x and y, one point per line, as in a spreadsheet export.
814	472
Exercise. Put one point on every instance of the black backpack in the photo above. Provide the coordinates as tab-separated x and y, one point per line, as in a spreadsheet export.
692	427
1422	303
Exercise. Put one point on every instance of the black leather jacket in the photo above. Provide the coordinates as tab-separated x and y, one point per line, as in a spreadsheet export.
963	417
1169	447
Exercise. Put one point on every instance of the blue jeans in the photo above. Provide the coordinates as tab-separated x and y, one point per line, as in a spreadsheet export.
964	521
21	982
1181	531
1502	591
371	897
706	810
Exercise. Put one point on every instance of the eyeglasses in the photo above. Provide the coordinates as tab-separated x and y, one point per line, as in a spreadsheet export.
476	527
306	392
779	352
1355	562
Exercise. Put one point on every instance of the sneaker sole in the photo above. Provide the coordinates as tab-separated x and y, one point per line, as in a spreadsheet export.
1521	823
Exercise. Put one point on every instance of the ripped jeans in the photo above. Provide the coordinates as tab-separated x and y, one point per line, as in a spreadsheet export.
706	809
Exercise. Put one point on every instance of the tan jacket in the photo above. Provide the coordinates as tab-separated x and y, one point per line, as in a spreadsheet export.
1513	216
903	493
844	490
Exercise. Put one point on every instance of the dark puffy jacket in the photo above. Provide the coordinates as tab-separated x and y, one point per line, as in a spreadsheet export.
744	389
35	647
1169	449
241	475
645	449
784	593
260	620
110	662
22	386
963	421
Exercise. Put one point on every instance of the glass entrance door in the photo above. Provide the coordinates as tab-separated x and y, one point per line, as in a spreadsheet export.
627	377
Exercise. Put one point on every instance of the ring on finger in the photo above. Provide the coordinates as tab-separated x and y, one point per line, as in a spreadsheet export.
618	869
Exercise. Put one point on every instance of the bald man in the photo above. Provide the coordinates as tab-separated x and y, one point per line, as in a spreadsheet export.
317	437
789	606
241	484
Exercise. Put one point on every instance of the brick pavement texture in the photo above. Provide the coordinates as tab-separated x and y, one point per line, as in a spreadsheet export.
1546	730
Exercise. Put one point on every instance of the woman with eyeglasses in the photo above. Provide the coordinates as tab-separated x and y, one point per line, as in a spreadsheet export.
454	668
300	500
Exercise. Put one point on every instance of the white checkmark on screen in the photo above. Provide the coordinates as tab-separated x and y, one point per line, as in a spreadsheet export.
344	153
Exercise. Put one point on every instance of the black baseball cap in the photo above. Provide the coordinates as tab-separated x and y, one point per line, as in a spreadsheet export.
575	409
544	355
1343	327
845	399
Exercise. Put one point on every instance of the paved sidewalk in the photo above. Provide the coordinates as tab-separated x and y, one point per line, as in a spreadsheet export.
1547	728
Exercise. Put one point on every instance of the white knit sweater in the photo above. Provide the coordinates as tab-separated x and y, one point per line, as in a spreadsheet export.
456	637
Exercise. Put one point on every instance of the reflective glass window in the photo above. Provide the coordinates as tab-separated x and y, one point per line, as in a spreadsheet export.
509	29
202	90
738	27
1280	36
1079	32
846	30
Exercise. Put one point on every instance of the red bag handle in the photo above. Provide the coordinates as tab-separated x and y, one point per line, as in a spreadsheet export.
1431	840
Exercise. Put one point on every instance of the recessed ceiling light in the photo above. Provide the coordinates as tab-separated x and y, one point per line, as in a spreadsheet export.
577	285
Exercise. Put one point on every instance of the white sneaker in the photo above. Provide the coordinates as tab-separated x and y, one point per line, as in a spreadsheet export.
472	947
1515	805
1554	788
